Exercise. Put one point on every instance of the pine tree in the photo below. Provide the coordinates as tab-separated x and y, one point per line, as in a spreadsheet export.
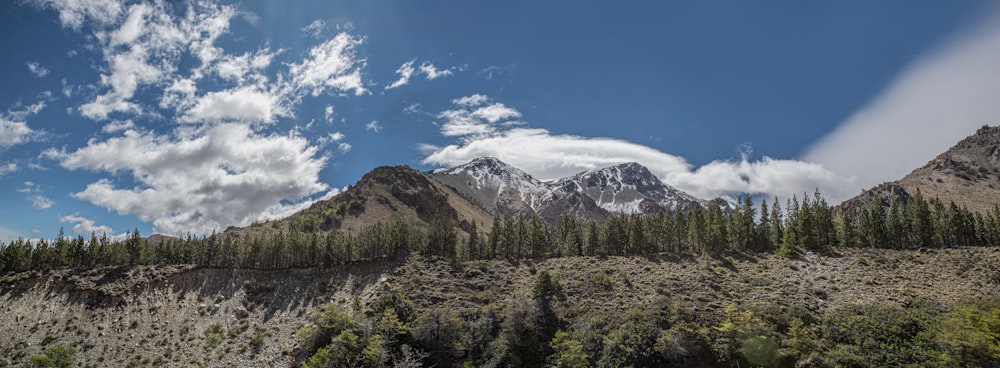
777	225
762	236
919	216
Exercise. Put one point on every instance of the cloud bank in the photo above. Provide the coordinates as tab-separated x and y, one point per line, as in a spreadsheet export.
936	101
487	128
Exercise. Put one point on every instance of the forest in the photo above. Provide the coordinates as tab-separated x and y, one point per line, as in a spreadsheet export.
809	224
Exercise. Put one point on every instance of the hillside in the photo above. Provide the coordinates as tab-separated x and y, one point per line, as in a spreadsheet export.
968	174
184	316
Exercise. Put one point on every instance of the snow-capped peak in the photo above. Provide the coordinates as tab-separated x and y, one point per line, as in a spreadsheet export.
503	189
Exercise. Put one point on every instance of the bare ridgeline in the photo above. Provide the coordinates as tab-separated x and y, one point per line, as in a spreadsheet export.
484	265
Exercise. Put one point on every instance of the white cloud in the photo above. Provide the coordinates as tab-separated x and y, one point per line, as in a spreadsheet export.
329	114
373	126
37	69
343	147
244	68
41	202
72	13
13	133
131	28
405	71
331	65
7	168
228	176
316	28
246	104
471	101
85	226
432	72
13	129
337	136
548	156
936	101
484	129
474	117
28	187
118	125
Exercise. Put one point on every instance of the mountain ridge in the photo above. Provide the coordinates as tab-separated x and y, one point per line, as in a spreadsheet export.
504	190
968	174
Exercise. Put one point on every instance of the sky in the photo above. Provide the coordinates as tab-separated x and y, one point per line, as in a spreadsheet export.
186	117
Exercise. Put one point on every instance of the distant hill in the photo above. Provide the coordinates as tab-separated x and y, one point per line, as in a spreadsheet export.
968	174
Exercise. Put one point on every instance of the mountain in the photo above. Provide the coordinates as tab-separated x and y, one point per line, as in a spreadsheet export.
628	188
968	174
504	190
386	194
499	188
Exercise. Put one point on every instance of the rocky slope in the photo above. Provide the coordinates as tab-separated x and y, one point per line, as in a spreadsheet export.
968	174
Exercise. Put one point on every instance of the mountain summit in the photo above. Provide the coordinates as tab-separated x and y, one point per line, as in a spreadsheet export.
628	188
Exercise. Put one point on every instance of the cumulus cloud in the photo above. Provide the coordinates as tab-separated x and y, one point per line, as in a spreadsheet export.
13	129
86	227
13	133
142	45
941	97
337	136
213	167
247	104
373	126
479	124
228	176
37	69
331	65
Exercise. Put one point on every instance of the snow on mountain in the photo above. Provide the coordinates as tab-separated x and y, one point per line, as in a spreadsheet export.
505	190
628	188
500	188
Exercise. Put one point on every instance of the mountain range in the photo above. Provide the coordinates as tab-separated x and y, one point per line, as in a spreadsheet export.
486	188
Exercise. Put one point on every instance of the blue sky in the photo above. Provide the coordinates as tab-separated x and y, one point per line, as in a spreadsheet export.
180	117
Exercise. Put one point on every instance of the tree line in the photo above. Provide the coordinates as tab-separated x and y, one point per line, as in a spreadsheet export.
807	224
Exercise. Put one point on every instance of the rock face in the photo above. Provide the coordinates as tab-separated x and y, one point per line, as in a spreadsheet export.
505	191
968	174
